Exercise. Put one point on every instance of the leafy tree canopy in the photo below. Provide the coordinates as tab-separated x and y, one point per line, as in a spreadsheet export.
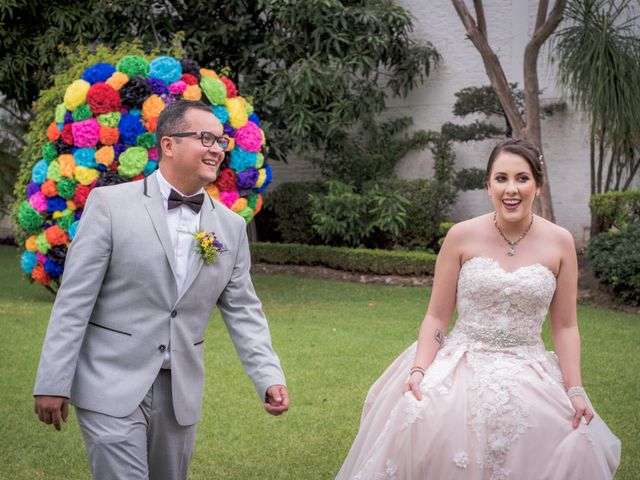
314	66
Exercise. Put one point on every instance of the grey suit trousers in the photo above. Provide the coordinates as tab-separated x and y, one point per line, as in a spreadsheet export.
148	444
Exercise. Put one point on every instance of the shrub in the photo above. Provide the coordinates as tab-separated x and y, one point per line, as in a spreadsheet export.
616	209
286	214
614	258
429	203
342	216
362	260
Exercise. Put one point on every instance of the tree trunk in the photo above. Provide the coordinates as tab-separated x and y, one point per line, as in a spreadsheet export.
530	127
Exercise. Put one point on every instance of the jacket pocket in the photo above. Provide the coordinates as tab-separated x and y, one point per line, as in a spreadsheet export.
110	329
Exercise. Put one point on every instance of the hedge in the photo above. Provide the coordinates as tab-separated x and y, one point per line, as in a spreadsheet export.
616	209
359	260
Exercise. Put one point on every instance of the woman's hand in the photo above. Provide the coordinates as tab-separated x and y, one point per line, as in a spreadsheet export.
582	409
413	384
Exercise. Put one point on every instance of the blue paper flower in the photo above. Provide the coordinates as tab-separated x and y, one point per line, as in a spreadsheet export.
100	72
73	228
54	269
39	172
166	69
130	127
150	167
221	113
28	260
56	203
241	159
85	157
267	181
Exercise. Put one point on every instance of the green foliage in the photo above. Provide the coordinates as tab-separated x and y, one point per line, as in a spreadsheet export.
469	179
361	260
614	258
287	212
77	61
616	209
598	59
314	67
371	152
341	216
13	125
429	203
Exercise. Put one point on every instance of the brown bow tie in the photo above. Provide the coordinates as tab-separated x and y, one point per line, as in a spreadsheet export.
194	202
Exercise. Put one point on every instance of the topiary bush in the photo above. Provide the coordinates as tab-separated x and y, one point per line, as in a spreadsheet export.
614	258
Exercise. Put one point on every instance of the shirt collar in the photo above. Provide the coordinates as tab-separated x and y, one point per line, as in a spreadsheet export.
165	187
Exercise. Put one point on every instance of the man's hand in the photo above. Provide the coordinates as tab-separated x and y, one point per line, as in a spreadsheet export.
52	409
277	400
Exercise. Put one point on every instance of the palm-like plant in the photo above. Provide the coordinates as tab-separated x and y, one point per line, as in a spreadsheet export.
598	60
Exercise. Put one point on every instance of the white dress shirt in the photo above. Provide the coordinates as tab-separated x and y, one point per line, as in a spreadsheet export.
183	223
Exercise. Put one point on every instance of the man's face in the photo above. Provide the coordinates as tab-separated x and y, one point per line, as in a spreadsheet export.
191	161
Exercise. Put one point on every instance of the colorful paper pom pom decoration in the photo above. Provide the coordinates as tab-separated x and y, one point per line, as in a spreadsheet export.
103	133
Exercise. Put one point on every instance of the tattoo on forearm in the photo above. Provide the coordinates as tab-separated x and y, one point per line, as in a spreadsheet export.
438	336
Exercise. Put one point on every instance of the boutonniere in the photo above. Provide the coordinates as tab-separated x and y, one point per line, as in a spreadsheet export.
208	246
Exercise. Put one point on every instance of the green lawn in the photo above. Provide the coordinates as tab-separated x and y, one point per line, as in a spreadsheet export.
334	339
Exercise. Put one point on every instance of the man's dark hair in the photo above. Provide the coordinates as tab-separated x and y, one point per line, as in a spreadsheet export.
171	119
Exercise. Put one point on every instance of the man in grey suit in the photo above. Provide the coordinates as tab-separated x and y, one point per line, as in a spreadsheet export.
125	341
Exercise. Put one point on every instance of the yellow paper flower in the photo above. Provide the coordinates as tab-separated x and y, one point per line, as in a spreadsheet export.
76	94
86	175
213	191
237	111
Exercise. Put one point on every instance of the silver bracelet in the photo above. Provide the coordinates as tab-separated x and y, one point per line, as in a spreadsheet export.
576	392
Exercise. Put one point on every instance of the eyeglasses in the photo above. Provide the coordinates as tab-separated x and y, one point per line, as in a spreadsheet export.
206	138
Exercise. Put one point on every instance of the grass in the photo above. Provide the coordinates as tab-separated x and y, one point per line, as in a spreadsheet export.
334	340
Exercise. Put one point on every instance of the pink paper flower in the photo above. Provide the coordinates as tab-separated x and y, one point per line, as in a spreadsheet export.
86	133
249	137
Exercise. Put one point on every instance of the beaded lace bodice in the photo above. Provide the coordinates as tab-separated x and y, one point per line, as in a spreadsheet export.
498	309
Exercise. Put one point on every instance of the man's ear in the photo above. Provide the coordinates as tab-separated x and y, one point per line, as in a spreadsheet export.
166	145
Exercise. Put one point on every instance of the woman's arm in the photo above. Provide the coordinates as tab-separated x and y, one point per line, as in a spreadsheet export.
564	325
441	305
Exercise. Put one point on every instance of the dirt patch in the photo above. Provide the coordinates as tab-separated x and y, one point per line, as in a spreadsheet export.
590	291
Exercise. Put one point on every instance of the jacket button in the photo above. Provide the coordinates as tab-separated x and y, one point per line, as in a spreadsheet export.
174	314
162	348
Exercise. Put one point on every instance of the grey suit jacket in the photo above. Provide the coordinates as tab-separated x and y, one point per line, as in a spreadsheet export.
118	307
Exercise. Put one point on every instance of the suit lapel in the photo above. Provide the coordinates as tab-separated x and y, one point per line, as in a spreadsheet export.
207	223
155	209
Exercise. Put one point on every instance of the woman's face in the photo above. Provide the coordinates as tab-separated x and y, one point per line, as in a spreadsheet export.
512	187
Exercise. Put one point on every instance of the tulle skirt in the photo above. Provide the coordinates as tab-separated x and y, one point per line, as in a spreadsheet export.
485	414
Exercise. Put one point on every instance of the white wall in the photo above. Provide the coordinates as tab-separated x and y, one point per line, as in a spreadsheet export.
564	135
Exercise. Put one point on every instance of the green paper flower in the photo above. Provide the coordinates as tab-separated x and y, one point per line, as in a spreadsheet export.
49	152
133	65
146	140
111	119
132	161
53	172
29	218
67	187
61	109
214	89
83	112
41	243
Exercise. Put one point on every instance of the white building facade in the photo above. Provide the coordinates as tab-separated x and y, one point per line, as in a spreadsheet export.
565	135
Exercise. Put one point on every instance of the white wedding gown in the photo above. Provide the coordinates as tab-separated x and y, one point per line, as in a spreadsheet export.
494	405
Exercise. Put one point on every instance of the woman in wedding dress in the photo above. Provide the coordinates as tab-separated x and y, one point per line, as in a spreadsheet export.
488	401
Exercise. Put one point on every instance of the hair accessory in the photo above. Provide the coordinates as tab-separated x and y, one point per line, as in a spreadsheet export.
540	159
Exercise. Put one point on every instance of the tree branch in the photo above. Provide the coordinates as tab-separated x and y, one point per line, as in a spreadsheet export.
482	22
492	66
543	6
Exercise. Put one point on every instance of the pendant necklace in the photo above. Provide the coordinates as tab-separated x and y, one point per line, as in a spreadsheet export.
512	243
